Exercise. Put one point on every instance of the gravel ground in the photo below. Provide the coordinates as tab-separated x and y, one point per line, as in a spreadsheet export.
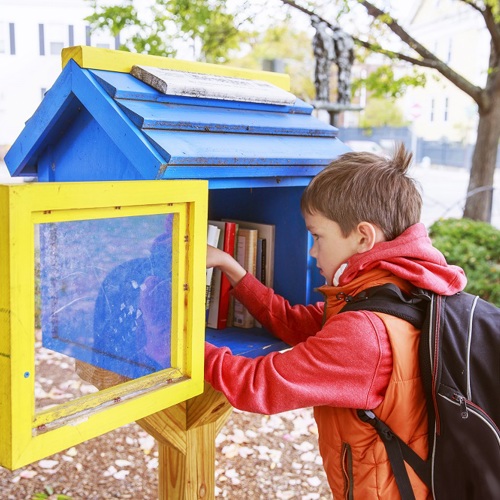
257	457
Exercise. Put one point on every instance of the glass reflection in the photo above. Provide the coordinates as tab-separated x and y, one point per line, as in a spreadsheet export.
105	289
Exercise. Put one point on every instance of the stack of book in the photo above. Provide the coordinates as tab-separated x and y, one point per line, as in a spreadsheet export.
252	245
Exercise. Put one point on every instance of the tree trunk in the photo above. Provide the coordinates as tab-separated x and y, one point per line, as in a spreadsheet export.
480	191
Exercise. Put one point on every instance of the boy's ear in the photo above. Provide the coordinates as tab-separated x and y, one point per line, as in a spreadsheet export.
368	234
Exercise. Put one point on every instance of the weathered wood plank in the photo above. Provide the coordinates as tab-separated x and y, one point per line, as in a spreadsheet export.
210	119
212	86
210	149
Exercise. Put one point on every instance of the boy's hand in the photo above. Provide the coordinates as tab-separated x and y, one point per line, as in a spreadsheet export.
215	256
227	264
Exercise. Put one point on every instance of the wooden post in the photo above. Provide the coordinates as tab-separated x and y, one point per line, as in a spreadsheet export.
186	444
190	475
185	434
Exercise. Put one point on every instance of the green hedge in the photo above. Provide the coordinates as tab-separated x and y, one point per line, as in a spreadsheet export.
475	247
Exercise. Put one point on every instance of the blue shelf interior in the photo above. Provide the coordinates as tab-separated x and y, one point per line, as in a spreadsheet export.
248	342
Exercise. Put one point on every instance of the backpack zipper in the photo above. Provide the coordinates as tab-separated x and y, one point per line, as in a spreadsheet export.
467	406
462	402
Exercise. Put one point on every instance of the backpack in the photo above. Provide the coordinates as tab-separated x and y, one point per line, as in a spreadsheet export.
459	356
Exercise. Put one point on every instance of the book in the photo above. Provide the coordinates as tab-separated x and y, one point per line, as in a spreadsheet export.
261	266
219	307
260	271
213	236
246	255
262	262
266	232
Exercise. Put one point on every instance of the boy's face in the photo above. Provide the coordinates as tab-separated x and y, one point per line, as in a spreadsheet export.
330	248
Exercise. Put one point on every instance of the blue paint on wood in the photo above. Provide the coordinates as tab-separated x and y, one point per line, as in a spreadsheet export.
251	343
75	92
118	126
294	278
258	182
195	137
51	117
80	162
200	149
163	116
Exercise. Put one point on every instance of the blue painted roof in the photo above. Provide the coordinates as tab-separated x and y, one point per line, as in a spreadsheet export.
101	125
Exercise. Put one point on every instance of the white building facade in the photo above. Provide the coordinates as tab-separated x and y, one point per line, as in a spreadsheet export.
440	111
455	33
32	36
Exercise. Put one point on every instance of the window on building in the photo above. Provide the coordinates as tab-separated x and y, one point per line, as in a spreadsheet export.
101	40
41	39
57	37
7	38
446	105
56	48
450	47
54	37
12	38
433	105
3	38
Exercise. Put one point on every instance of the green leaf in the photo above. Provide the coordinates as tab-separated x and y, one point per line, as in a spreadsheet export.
381	83
475	247
207	24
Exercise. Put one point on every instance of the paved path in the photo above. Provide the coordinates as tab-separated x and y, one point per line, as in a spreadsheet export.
444	191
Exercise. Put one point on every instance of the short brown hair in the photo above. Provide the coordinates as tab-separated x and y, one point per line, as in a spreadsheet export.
361	186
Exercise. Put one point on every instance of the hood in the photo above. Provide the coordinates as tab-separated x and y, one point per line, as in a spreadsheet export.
411	257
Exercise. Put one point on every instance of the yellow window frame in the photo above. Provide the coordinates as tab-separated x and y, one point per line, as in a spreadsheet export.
27	434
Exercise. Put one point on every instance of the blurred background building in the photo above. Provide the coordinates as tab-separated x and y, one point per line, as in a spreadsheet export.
32	35
440	121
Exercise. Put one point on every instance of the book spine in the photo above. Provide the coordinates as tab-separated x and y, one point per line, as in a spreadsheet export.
263	262
247	257
225	285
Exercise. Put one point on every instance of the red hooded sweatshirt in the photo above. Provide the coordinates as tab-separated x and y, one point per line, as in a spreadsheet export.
340	362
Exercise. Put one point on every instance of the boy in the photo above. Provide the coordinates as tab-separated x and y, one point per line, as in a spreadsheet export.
363	212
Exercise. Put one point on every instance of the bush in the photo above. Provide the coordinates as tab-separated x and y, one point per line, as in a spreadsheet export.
475	247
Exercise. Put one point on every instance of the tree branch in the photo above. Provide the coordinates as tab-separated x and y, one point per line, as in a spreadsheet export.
428	59
398	30
434	62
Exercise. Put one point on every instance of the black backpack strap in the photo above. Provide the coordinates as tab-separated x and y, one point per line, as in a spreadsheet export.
399	453
389	299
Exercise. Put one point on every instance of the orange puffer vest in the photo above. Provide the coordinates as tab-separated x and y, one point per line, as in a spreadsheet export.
345	441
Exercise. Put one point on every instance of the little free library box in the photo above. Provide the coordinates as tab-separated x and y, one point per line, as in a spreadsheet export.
102	260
